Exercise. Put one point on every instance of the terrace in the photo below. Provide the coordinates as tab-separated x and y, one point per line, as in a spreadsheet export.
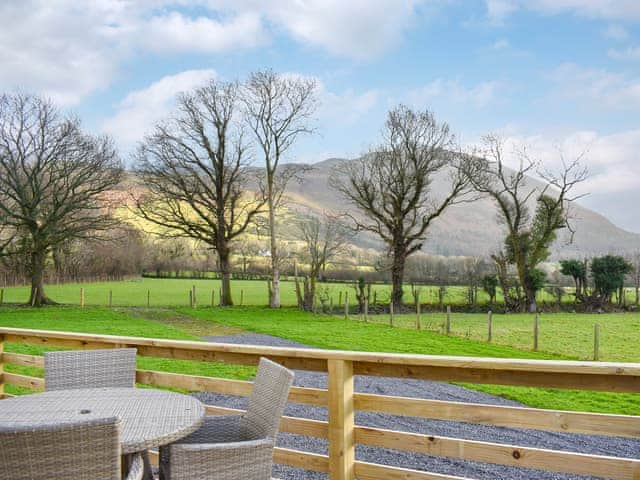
342	402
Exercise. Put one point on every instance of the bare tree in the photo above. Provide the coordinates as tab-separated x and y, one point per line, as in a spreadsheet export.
472	269
324	239
278	111
391	186
53	179
529	235
194	169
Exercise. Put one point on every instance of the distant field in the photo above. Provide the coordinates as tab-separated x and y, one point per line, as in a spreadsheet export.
559	333
175	292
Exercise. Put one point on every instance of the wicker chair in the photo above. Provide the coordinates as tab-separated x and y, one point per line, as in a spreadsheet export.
90	369
71	369
237	446
88	450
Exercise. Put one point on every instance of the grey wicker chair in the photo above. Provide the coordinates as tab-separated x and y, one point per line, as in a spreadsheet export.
90	369
234	447
115	367
87	450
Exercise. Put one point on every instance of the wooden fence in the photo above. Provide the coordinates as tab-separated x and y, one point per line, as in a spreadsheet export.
342	402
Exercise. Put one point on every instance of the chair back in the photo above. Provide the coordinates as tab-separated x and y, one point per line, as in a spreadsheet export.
90	369
268	399
87	450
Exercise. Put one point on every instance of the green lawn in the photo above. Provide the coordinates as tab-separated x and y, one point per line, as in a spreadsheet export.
559	333
317	330
108	322
175	293
337	333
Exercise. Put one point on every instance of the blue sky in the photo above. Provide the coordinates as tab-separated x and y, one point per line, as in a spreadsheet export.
559	76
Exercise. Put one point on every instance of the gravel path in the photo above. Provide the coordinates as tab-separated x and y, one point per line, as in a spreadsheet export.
421	389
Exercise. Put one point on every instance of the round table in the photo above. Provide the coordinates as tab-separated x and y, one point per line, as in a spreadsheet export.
149	418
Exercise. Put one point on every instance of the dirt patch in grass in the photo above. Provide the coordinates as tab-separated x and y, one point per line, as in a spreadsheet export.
193	326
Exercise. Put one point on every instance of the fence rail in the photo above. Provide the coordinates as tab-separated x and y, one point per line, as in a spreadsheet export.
342	402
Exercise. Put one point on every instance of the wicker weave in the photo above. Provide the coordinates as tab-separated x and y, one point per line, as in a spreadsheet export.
90	369
235	447
149	418
87	450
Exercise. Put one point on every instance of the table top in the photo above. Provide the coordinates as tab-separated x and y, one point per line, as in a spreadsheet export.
149	418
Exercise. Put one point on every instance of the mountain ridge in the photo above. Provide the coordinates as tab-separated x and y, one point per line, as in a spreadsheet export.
471	228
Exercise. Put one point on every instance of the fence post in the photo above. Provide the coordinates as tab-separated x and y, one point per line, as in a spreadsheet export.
1	295
346	305
418	320
241	297
391	312
448	325
490	326
220	297
213	297
148	298
341	420
596	342
195	303
82	298
340	298
535	333
190	298
110	298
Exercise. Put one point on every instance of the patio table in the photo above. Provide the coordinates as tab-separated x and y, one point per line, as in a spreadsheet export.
149	418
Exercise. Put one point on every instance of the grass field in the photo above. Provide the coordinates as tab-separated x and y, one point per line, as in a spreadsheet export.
175	292
109	322
317	330
559	333
322	331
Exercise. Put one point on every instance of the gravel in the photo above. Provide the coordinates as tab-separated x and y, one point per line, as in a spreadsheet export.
421	389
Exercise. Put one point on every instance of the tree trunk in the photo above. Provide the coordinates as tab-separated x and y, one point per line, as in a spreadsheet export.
309	293
225	275
299	291
38	298
530	299
275	268
397	277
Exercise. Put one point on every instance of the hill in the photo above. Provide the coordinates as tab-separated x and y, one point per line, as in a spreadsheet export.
471	228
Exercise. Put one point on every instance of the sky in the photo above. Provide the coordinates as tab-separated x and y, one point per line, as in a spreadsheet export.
561	77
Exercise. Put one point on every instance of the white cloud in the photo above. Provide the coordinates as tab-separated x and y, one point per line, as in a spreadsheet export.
174	32
498	10
611	159
598	9
600	87
67	49
349	106
501	44
356	28
629	53
616	32
141	109
53	49
478	96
